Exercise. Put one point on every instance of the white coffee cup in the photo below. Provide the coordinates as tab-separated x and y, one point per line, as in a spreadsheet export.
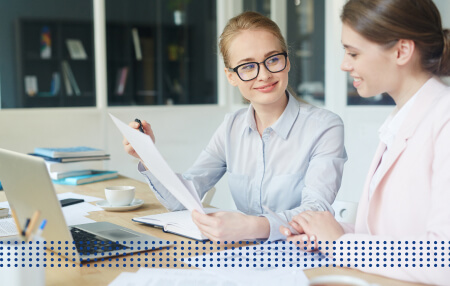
118	196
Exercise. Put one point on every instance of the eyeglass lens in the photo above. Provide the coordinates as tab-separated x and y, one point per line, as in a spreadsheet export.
274	64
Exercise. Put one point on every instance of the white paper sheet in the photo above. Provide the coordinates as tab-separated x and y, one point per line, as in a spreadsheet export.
71	195
84	207
7	227
75	216
228	277
153	160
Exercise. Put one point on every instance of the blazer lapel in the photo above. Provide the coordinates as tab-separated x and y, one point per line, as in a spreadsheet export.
425	100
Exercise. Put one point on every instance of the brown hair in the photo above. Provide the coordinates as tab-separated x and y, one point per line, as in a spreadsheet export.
247	21
386	21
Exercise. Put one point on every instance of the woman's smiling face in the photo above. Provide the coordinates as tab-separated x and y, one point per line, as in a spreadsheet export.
256	46
370	64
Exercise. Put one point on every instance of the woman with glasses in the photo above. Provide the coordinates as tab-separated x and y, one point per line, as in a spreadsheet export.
278	152
402	226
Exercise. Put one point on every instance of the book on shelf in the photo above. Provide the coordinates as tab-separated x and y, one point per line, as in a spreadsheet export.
136	43
76	49
31	85
147	87
46	43
96	176
73	166
73	159
62	175
78	151
179	222
55	84
67	85
73	83
121	80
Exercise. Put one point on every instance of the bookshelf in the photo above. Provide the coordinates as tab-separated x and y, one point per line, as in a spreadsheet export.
55	77
156	59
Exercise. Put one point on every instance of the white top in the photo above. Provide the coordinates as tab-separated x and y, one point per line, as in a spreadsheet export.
387	133
296	164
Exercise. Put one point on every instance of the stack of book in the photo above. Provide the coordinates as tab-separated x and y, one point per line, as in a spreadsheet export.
75	165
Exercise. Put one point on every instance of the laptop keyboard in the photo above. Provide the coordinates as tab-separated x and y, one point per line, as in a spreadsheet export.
91	244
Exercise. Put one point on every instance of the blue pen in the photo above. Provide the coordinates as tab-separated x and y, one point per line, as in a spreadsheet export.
37	236
140	125
41	228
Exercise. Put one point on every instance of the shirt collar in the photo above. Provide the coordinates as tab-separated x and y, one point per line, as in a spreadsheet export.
284	124
391	126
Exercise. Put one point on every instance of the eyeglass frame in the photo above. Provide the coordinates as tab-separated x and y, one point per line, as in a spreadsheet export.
235	69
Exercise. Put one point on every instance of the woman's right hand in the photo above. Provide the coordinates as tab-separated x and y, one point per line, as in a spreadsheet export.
147	130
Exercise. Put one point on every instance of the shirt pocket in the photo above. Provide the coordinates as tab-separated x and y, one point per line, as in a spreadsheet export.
239	187
284	192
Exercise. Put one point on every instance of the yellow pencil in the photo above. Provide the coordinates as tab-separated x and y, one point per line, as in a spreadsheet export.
16	220
33	223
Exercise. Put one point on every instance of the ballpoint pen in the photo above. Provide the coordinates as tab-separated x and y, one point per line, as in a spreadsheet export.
37	235
34	220
24	230
140	125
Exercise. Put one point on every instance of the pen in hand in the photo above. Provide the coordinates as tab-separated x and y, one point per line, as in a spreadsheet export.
140	125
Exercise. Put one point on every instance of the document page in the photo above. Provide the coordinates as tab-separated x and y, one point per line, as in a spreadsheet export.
222	277
7	227
154	161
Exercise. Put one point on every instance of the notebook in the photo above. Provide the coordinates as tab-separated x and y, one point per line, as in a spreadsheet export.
79	151
29	189
95	176
179	222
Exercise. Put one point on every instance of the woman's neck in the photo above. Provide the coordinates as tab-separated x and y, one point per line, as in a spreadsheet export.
409	87
267	115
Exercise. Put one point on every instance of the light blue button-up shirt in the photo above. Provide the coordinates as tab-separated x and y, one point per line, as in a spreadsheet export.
296	164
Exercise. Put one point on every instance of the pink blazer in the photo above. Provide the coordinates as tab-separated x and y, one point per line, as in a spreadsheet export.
412	200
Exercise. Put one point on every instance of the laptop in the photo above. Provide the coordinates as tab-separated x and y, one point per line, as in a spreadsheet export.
28	188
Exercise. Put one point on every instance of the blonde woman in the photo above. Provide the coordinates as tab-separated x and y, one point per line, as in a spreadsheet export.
278	152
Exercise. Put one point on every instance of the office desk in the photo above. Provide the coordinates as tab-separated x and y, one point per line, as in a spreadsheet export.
99	273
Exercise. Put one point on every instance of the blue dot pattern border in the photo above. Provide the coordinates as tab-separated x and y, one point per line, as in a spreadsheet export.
198	254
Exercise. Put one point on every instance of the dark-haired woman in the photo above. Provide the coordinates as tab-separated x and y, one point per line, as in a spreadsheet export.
402	227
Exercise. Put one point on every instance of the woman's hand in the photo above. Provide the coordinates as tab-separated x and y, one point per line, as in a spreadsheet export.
317	226
231	226
301	239
147	130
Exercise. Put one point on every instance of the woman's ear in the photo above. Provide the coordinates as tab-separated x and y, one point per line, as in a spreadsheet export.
230	76
404	51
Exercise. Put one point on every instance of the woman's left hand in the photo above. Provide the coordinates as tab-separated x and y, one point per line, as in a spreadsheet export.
226	226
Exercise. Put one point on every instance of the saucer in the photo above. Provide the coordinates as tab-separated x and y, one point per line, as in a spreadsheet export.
136	203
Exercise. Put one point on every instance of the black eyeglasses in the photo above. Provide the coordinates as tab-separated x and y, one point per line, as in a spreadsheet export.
249	71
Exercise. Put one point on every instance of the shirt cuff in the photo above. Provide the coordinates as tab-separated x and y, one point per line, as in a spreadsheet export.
150	178
274	225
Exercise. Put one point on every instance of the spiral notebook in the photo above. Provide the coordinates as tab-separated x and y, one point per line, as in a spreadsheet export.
178	222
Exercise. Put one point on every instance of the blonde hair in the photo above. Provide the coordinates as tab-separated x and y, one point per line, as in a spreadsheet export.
247	21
